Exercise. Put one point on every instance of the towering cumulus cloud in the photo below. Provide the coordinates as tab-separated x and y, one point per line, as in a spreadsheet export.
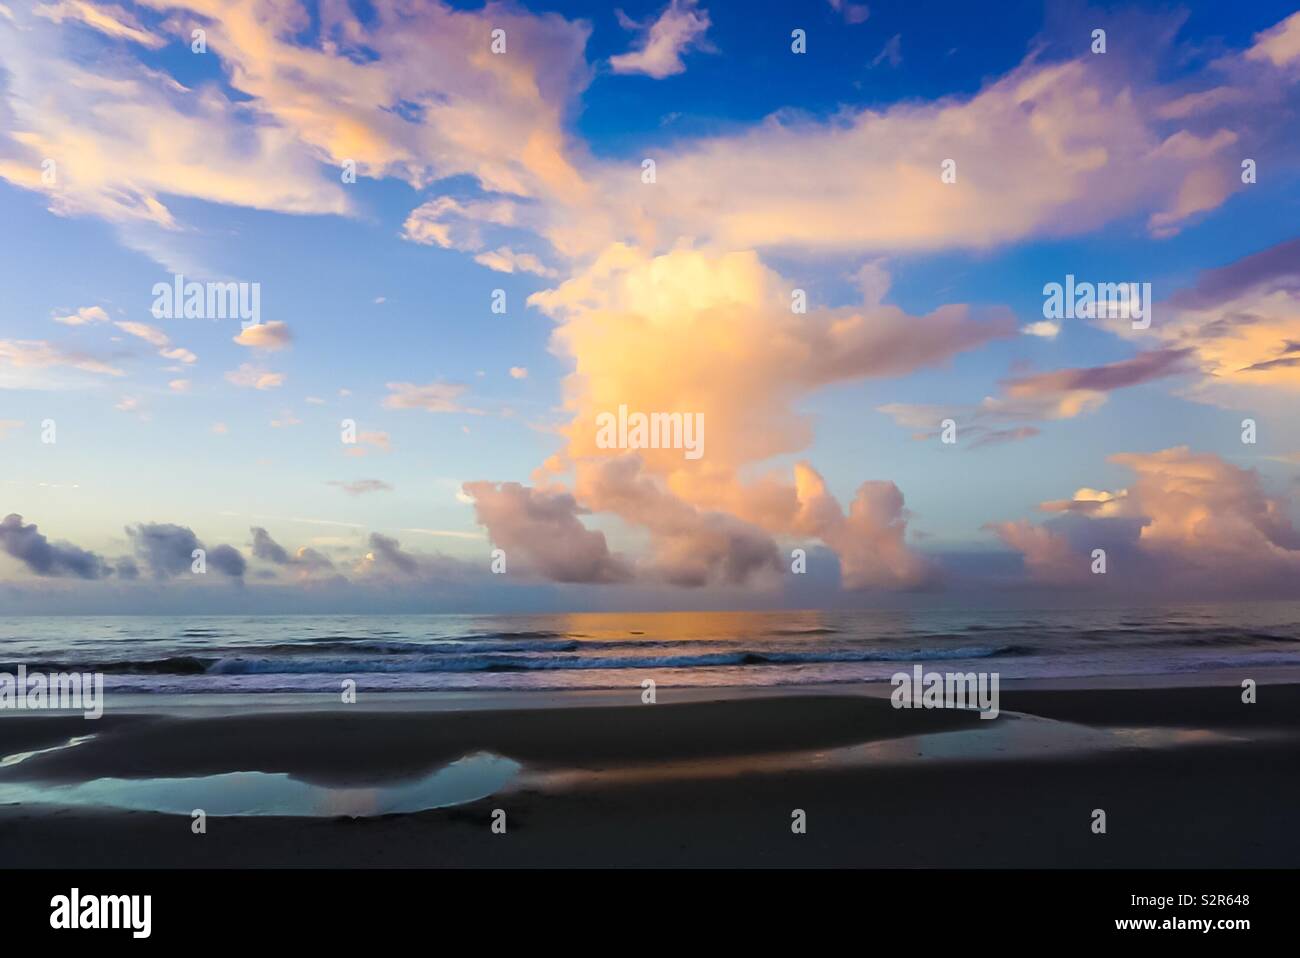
715	335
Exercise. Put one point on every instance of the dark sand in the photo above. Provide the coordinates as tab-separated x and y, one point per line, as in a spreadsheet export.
712	783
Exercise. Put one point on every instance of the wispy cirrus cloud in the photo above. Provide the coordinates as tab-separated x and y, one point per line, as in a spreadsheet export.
1240	326
1038	397
360	487
106	18
431	397
41	354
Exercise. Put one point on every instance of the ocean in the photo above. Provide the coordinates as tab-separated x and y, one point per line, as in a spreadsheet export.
252	654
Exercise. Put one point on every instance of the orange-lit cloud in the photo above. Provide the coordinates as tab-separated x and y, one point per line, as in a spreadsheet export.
1189	520
415	92
1239	326
270	337
715	336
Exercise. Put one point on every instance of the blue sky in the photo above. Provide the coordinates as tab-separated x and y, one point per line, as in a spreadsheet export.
369	301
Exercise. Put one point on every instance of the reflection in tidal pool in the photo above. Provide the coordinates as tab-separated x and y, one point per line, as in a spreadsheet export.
265	793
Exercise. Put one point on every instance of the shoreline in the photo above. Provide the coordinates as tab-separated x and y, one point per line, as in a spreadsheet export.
186	703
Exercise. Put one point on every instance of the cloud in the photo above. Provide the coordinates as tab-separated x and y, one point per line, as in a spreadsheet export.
433	397
455	224
167	550
1058	394
228	561
76	99
1240	326
413	90
179	354
40	354
84	316
1189	521
150	334
995	437
1233	336
871	540
248	375
156	337
541	532
360	487
408	91
1050	148
505	260
379	440
44	558
877	186
266	548
287	419
1065	393
714	336
680	27
388	565
108	19
271	336
690	546
386	554
891	52
306	560
851	12
518	372
1278	45
1044	329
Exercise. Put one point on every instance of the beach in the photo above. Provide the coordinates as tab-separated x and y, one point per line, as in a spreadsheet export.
1187	774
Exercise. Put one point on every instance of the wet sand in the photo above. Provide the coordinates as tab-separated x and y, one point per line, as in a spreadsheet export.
1188	777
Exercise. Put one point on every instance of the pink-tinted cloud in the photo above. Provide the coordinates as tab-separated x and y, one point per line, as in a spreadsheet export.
541	532
1239	326
1189	521
658	54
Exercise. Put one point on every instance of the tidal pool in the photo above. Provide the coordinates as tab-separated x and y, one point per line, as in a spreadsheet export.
274	793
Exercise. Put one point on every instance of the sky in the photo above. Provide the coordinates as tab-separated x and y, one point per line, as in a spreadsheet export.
825	230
